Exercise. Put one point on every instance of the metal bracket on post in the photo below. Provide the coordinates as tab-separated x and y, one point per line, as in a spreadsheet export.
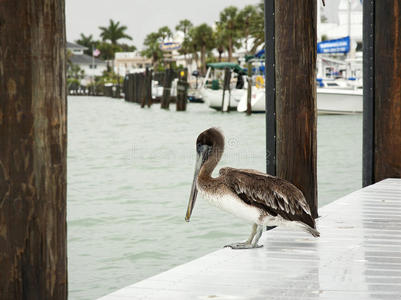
270	86
368	92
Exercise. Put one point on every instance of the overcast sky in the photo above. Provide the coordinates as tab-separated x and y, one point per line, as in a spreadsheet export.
145	16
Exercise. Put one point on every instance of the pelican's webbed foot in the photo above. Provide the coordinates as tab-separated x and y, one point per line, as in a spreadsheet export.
244	245
252	241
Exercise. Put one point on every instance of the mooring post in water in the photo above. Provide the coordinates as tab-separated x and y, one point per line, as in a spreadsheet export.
143	89
382	90
249	95
290	91
225	101
165	102
182	90
148	95
33	140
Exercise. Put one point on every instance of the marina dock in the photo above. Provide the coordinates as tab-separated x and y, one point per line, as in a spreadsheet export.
358	256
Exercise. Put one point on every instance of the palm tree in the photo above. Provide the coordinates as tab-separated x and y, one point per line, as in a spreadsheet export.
220	40
184	26
257	26
229	23
152	50
245	17
114	32
86	41
165	33
203	38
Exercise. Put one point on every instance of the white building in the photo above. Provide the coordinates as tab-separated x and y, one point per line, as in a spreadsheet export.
130	62
92	66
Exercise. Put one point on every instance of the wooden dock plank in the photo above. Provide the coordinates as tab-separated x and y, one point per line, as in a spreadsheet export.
358	256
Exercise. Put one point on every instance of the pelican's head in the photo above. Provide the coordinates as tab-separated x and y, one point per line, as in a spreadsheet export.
209	148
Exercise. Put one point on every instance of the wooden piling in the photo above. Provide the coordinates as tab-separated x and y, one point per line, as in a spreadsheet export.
182	90
33	131
294	92
225	103
382	91
148	83
168	78
143	89
249	95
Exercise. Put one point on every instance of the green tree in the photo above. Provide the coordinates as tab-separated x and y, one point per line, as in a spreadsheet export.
107	50
164	33
184	26
203	38
220	40
114	32
257	27
127	48
229	24
245	17
152	48
88	42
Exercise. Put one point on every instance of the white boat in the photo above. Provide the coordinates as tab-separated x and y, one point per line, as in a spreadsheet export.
329	101
257	101
339	101
157	90
214	98
212	92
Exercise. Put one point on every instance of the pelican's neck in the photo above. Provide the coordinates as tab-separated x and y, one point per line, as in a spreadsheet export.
210	164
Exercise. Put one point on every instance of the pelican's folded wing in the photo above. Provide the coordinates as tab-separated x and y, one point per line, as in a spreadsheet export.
275	195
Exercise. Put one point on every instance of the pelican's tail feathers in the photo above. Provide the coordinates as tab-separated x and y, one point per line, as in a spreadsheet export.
312	231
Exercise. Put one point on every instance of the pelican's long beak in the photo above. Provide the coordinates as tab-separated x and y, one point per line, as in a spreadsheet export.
200	159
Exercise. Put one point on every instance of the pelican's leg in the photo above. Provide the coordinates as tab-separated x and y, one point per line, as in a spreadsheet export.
248	243
257	237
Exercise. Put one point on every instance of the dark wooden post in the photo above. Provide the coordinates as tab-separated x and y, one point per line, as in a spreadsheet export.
249	95
125	87
143	89
136	88
295	93
382	90
270	86
33	140
168	78
226	87
182	90
148	94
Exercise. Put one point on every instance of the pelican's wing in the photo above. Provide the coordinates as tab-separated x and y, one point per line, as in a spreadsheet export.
276	196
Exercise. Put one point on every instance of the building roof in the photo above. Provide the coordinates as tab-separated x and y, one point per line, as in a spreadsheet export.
75	46
85	60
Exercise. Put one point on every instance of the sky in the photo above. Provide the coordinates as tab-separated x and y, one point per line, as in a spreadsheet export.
145	16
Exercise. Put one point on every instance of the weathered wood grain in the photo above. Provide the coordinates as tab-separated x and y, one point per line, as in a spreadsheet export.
387	152
33	260
295	53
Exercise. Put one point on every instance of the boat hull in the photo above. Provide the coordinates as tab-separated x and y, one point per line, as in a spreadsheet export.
213	98
329	101
336	101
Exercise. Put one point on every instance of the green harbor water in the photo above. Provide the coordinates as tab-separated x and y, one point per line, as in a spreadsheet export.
129	177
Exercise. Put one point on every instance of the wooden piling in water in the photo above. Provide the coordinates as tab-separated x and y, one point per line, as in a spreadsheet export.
293	36
33	148
182	90
148	84
382	90
168	78
225	102
249	95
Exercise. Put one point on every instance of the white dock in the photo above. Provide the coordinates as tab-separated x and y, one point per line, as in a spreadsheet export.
358	256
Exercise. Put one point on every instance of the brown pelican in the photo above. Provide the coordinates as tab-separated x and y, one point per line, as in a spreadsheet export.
256	197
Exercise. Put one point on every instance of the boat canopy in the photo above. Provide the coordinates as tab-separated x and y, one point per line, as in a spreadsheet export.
222	65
